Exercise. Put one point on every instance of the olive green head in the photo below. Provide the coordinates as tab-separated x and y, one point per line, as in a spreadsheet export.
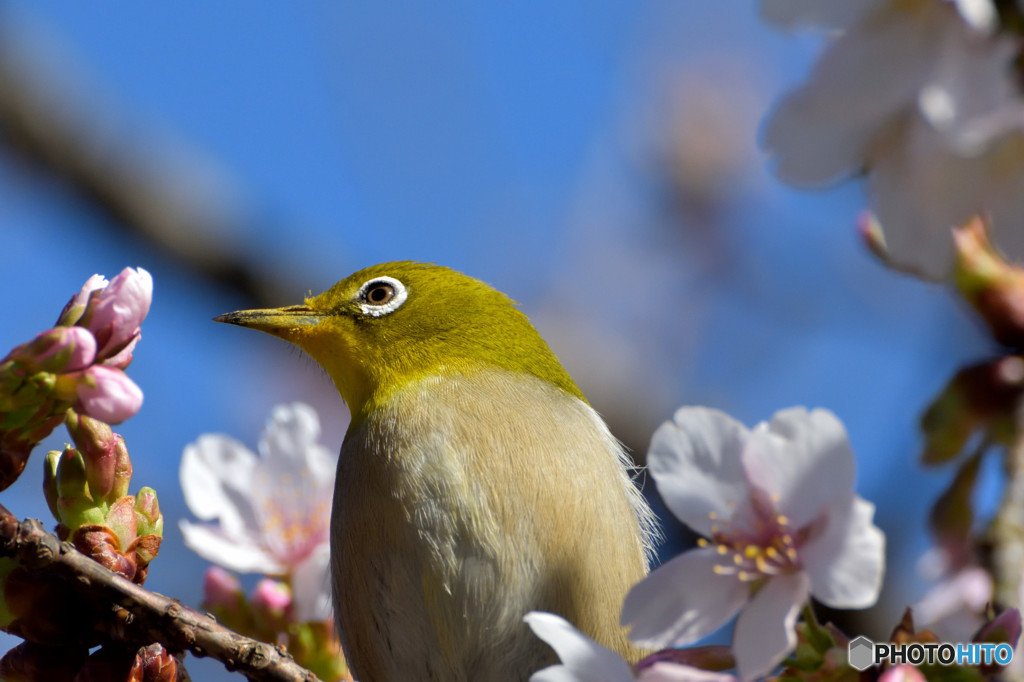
389	324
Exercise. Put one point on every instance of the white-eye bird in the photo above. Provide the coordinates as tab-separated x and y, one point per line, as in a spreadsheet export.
475	483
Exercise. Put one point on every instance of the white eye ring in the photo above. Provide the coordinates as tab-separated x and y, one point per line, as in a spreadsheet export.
380	309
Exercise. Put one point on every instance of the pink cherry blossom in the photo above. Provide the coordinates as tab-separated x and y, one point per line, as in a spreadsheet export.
780	522
115	315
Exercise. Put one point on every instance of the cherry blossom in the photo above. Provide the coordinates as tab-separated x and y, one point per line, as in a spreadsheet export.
584	660
780	521
266	512
924	96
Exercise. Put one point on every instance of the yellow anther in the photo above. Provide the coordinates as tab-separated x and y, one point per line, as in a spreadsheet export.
774	497
722	549
791	553
751	551
782	520
771	553
712	515
702	542
737	559
743	575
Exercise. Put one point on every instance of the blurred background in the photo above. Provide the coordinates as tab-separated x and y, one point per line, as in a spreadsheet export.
597	161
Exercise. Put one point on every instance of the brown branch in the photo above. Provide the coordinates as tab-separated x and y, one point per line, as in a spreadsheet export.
82	141
147	616
1006	533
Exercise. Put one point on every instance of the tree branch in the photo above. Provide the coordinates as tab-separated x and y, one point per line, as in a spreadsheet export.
146	616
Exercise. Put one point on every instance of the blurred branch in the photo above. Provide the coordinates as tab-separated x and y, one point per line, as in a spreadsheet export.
173	203
144	616
1006	534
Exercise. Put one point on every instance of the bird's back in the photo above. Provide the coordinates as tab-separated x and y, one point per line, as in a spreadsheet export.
436	559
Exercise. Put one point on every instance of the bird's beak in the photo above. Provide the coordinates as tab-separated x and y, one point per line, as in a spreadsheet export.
282	322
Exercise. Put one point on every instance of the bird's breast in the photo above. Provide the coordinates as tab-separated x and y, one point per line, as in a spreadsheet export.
466	502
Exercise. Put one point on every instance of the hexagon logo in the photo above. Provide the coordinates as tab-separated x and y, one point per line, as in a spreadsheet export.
862	653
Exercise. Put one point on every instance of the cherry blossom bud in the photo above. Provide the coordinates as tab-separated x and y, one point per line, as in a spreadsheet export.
50	481
74	503
154	664
98	444
147	510
75	308
59	350
122	521
126	664
991	285
872	236
271	602
102	545
115	315
108	394
221	589
1006	627
902	673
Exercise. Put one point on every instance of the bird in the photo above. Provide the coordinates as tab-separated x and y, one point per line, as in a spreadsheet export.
475	483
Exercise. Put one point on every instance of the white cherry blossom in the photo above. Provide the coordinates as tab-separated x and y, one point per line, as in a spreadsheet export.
924	96
584	660
780	521
267	513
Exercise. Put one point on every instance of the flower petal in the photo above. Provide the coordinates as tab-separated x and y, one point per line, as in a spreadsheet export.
863	82
847	561
695	462
240	554
120	309
681	601
583	659
216	474
802	457
312	586
759	644
290	431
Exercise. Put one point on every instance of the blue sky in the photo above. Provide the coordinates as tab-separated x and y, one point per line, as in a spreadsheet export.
513	143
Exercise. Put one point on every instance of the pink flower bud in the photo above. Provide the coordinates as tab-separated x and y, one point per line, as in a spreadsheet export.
107	394
57	350
74	309
271	597
221	589
117	312
98	445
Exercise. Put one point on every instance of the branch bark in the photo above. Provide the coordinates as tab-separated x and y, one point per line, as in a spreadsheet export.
145	616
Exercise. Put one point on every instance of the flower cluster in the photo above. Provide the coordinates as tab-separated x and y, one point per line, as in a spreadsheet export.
268	513
86	487
78	364
924	95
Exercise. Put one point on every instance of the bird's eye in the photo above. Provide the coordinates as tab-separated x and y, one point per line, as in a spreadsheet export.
381	295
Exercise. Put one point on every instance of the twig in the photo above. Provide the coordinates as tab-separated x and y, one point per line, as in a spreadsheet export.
1006	534
148	616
